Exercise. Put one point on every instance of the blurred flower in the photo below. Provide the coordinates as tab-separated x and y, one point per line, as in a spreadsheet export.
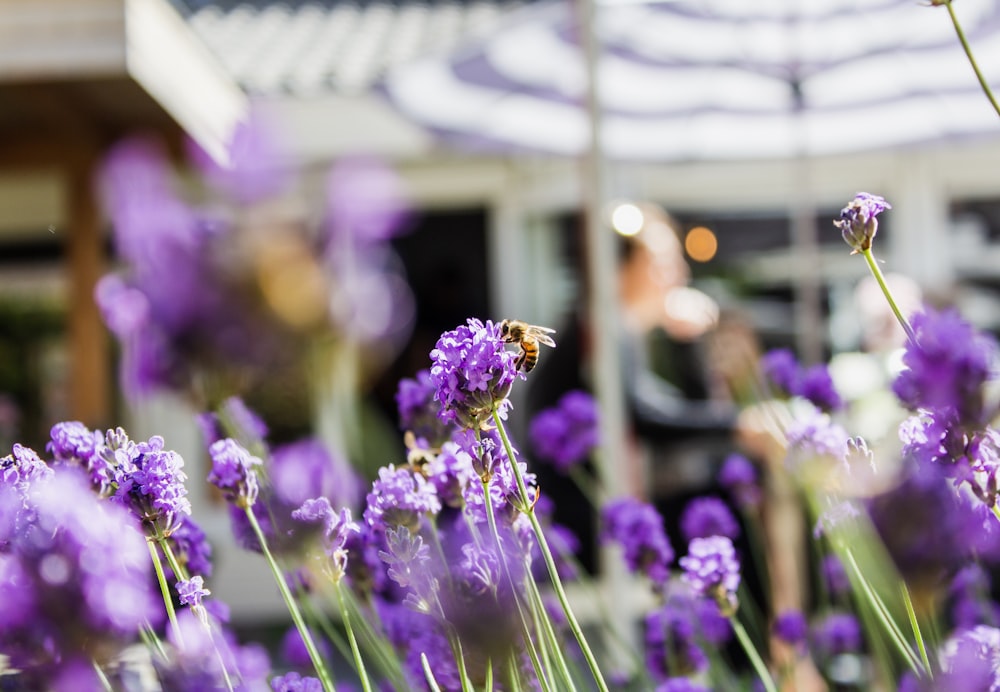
337	528
817	447
738	476
835	576
418	409
781	367
836	633
680	685
366	200
293	649
814	383
191	546
638	528
946	366
473	372
451	472
191	591
791	627
73	442
293	682
708	516
712	568
970	660
57	602
858	220
672	643
568	432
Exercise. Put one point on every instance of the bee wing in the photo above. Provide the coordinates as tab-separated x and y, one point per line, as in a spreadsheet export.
541	335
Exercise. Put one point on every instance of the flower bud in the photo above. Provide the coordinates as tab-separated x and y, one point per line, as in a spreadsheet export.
858	223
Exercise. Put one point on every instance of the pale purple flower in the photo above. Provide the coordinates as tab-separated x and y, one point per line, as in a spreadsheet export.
74	442
473	372
858	221
970	659
671	641
293	682
234	472
400	497
294	652
418	409
708	516
836	513
480	569
711	565
638	528
816	444
567	433
305	469
835	576
191	546
366	200
191	591
337	529
451	472
681	684
781	367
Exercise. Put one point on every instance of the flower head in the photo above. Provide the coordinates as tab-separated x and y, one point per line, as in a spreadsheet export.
638	527
472	371
738	476
400	497
837	633
712	568
858	221
419	409
708	516
946	366
791	627
234	472
566	433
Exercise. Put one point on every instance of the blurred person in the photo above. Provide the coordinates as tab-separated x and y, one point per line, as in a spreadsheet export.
679	428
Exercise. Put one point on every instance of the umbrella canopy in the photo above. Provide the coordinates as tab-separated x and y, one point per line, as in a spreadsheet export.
714	79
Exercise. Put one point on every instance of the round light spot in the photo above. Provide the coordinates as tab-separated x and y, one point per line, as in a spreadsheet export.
700	244
627	219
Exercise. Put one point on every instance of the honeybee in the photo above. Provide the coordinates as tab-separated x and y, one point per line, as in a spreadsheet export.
527	337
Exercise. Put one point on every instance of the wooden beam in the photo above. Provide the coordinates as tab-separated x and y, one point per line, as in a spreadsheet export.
90	380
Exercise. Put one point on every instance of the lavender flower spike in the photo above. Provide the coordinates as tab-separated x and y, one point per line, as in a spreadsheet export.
712	569
233	472
858	221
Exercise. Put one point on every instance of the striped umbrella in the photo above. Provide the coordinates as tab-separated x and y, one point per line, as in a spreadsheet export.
713	79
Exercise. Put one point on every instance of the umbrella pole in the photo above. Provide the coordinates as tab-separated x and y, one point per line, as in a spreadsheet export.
602	313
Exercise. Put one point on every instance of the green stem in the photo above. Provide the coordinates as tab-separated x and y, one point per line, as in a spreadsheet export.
877	273
293	609
168	600
355	651
547	634
428	673
550	564
105	683
755	660
882	613
908	602
968	53
529	643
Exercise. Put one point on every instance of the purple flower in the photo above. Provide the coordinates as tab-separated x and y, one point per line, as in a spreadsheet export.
837	633
711	567
234	472
816	385
858	221
366	200
816	446
191	591
337	528
77	577
835	576
473	372
947	364
408	560
680	684
638	528
791	627
293	682
479	569
708	516
566	434
191	546
400	497
738	476
202	651
294	652
781	367
305	469
418	409
234	419
970	660
451	472
672	642
74	442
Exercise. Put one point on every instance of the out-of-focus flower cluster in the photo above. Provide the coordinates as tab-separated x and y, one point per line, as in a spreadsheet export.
232	282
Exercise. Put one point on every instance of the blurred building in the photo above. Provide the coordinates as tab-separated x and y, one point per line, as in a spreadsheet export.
76	75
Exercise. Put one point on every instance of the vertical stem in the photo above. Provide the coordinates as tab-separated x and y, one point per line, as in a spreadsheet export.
293	609
550	563
168	600
916	629
428	673
355	651
968	53
877	273
758	664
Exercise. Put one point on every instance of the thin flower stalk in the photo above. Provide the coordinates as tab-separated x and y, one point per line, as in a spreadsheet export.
456	648
105	683
547	634
489	675
751	651
883	616
161	579
915	625
355	651
429	674
529	642
877	273
550	564
293	609
376	644
968	53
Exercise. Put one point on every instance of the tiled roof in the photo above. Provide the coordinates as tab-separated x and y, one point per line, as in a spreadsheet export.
316	46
